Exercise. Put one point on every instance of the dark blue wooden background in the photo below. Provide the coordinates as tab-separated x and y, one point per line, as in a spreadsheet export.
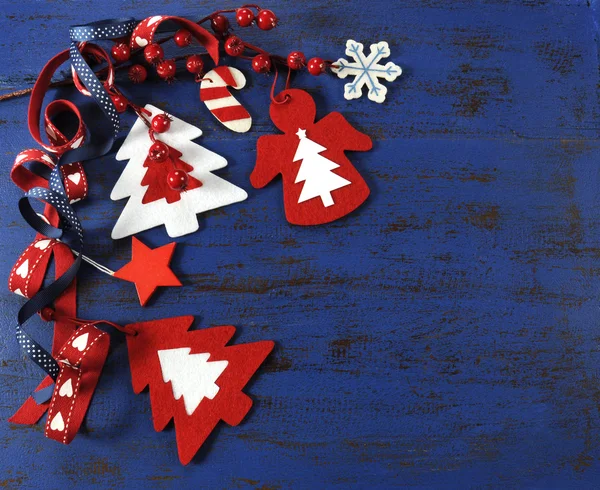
446	334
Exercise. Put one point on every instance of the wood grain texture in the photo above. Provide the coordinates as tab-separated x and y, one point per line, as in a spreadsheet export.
445	334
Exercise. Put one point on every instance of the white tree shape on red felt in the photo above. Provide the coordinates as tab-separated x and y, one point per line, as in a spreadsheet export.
316	171
179	217
192	376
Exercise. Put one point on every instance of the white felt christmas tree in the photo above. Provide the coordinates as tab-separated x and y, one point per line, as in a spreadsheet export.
192	376
178	217
316	171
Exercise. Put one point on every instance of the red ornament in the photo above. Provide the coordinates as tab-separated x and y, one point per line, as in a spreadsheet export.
266	20
153	53
296	60
194	64
261	63
148	269
161	123
166	70
137	73
244	17
183	38
158	152
193	377
120	102
234	46
320	183
316	66
177	180
120	52
219	24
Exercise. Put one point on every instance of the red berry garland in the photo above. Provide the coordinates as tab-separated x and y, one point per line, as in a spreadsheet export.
219	24
266	20
316	66
194	64
234	46
183	38
161	123
261	63
166	70
137	73
159	152
244	17
153	53
177	180
120	52
296	60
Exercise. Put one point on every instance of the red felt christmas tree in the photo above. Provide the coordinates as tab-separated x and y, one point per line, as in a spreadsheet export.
194	378
157	182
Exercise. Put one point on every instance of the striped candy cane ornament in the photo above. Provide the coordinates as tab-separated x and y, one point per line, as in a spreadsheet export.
220	102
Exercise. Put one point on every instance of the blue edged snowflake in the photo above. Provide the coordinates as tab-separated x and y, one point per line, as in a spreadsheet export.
367	69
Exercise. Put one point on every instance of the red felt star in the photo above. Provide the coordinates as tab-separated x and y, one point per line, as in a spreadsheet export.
148	269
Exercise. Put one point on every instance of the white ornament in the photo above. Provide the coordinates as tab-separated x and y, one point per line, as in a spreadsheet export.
367	70
316	171
191	375
178	217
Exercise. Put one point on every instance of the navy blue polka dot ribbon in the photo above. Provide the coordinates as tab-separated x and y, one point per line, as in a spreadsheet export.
69	230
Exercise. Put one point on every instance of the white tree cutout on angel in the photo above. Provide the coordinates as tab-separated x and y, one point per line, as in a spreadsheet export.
316	171
192	376
150	202
367	70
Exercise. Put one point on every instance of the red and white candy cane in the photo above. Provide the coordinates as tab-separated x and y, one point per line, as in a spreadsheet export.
220	102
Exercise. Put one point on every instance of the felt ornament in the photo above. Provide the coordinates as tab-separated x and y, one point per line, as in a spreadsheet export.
220	102
194	378
152	202
320	184
366	70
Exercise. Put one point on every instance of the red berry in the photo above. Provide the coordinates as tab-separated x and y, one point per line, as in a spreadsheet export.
177	180
296	60
159	152
137	73
120	102
153	53
316	66
219	23
261	63
166	69
120	52
234	46
183	38
244	17
266	20
161	123
195	64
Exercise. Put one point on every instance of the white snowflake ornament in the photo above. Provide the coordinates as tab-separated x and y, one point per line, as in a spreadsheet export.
367	69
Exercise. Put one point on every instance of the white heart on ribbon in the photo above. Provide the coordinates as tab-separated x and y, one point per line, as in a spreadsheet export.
23	269
19	292
75	200
48	159
50	132
57	423
141	42
80	342
22	157
66	389
42	244
77	142
75	178
153	20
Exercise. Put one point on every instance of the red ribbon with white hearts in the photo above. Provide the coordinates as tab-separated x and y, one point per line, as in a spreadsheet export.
81	361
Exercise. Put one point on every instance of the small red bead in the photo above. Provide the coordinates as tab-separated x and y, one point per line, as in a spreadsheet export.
137	73
120	52
296	60
244	17
234	46
159	152
261	63
316	66
266	20
47	314
161	123
120	102
183	38
177	180
166	69
194	64
153	53
219	23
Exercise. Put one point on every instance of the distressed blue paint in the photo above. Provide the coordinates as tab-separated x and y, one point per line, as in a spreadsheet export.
444	334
